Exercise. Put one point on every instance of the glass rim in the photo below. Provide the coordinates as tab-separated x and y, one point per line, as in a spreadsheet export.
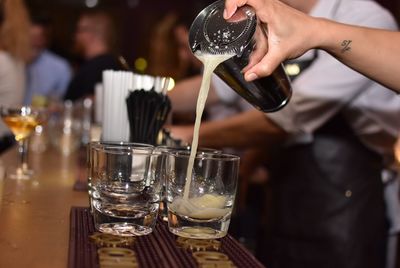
121	144
167	148
205	156
20	108
121	147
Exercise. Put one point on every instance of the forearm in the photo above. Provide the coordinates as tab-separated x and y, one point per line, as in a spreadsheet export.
184	96
374	53
250	129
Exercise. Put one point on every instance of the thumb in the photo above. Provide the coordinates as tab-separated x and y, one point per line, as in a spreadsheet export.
231	7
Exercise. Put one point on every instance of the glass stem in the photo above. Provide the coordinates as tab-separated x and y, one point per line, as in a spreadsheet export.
23	153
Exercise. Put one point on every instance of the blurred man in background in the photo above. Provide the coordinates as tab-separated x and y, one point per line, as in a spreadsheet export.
48	74
95	40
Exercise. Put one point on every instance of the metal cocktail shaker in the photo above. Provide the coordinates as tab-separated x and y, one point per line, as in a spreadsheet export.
244	37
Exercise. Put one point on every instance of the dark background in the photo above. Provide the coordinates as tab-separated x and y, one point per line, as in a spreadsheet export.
135	20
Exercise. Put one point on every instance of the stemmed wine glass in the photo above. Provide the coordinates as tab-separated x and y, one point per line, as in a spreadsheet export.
22	121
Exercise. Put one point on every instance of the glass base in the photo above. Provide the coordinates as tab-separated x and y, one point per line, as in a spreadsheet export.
124	229
198	229
21	174
198	232
124	219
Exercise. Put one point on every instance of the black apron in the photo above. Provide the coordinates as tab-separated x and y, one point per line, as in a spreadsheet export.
328	208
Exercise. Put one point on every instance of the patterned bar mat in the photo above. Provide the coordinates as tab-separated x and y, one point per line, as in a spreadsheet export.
159	249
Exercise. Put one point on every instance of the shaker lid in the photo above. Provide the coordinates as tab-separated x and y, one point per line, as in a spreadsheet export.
211	33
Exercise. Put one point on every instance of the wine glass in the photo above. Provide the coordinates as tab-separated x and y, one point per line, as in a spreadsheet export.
22	121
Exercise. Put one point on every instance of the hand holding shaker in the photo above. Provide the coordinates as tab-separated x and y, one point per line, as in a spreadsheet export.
245	37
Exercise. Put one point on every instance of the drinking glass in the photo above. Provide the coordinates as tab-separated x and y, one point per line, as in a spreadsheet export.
125	188
92	158
204	212
65	128
165	150
22	121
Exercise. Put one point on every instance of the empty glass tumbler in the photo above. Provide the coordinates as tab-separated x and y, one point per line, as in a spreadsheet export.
124	187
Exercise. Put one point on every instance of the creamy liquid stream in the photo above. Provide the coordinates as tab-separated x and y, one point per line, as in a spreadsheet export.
207	206
210	62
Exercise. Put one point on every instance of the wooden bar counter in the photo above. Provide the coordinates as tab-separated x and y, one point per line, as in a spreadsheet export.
35	222
34	214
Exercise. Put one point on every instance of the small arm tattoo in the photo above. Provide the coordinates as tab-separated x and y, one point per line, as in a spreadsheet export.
346	45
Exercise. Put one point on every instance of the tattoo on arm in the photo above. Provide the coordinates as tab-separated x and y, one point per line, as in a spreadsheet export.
346	45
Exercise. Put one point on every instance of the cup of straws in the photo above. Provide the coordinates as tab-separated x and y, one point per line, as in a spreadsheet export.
147	113
133	107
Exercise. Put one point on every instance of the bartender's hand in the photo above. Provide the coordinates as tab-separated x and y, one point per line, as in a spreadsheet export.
289	33
183	133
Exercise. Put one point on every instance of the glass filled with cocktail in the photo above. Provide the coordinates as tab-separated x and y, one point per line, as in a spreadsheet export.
201	206
22	121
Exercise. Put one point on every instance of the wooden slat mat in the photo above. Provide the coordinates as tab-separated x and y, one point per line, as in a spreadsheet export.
159	249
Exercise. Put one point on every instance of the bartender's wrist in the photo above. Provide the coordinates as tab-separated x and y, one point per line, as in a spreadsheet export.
320	33
328	36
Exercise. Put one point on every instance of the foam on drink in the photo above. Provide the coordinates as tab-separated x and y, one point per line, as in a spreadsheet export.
208	206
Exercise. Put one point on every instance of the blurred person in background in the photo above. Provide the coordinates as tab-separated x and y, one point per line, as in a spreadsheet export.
170	55
14	52
95	41
169	52
48	74
335	134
